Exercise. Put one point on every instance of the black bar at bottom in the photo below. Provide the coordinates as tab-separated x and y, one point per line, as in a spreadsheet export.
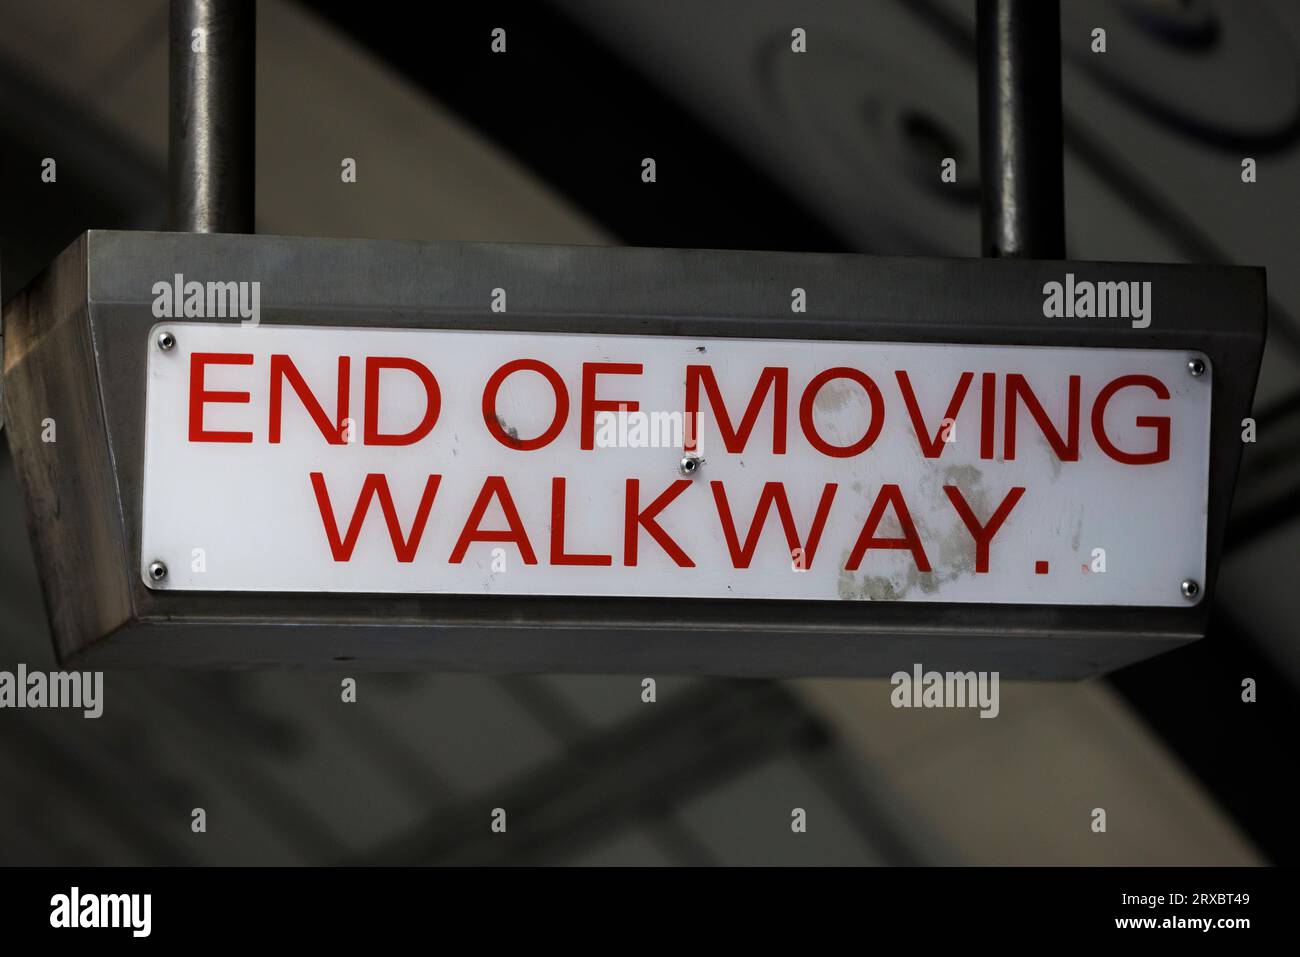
342	906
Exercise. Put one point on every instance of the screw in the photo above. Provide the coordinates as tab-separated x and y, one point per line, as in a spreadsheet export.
1196	367
1190	589
690	464
157	571
166	341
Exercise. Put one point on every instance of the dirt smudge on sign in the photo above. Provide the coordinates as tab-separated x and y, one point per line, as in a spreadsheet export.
948	544
508	430
956	546
835	397
871	588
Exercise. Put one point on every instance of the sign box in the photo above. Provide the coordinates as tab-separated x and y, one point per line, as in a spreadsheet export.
523	458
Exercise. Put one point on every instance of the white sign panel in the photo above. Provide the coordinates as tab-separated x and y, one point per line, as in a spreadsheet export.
295	459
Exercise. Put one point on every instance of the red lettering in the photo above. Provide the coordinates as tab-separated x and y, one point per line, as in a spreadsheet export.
199	395
1018	387
932	448
282	368
1158	422
433	400
591	405
490	405
889	495
773	378
494	487
988	413
810	427
375	484
983	535
772	493
558	555
634	520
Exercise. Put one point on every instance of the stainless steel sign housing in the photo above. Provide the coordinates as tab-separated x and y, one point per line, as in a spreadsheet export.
156	548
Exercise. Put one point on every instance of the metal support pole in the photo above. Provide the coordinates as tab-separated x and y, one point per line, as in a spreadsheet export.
1023	198
210	137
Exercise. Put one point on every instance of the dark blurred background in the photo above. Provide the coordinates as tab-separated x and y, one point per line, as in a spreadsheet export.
837	149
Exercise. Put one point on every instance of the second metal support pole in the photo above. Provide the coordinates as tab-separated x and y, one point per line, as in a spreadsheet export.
1023	195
